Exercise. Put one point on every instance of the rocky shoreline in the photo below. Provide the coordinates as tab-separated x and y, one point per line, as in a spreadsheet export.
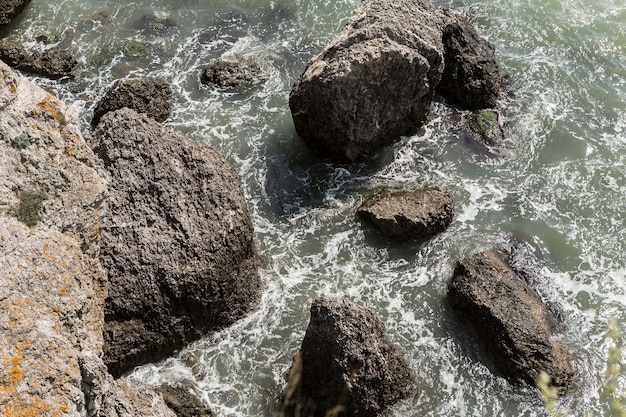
140	242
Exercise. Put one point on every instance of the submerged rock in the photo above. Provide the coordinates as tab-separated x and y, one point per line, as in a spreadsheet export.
517	329
149	95
52	286
177	243
226	74
472	77
484	127
9	9
346	366
417	214
374	82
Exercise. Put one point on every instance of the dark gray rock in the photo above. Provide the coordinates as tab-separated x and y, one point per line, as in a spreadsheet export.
52	63
417	214
517	329
12	54
472	77
9	9
149	95
183	402
177	242
484	127
374	82
226	74
346	366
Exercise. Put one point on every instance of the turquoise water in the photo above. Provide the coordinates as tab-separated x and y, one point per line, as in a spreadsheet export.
557	192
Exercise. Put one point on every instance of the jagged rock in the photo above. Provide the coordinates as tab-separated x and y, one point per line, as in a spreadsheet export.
226	74
9	9
183	402
149	95
374	82
12	54
472	77
517	329
52	63
52	286
415	214
346	366
177	243
484	127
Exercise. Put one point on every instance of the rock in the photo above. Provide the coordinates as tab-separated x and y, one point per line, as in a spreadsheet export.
517	329
9	9
374	82
12	54
472	77
152	96
346	366
177	243
484	126
52	63
417	214
225	74
183	402
52	286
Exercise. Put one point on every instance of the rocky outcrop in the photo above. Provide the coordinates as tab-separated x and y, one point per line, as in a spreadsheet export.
9	9
472	77
52	286
515	326
226	74
177	243
183	402
52	63
417	214
374	82
346	366
148	95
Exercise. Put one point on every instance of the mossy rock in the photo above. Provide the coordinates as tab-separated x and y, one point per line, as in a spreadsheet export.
486	124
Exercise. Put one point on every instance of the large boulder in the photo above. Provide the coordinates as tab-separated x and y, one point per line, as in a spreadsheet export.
177	243
517	329
417	214
374	82
9	9
149	95
472	77
52	286
346	366
52	63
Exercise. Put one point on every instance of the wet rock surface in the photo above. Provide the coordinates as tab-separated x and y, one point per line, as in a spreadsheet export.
373	83
9	9
177	243
346	365
472	78
515	326
417	214
226	74
52	63
149	95
183	402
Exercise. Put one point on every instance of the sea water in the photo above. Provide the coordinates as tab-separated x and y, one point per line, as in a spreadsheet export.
557	194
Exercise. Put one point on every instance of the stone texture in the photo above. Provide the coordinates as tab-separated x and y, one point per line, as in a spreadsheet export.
12	54
515	326
374	82
183	402
177	243
226	74
472	77
417	214
9	9
52	63
52	286
346	366
149	95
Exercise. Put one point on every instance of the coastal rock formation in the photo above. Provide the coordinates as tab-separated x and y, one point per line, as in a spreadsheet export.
346	366
177	242
52	63
149	95
183	402
471	78
9	9
226	74
515	326
52	286
417	214
374	82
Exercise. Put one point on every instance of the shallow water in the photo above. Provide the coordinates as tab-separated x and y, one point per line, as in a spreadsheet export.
556	194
